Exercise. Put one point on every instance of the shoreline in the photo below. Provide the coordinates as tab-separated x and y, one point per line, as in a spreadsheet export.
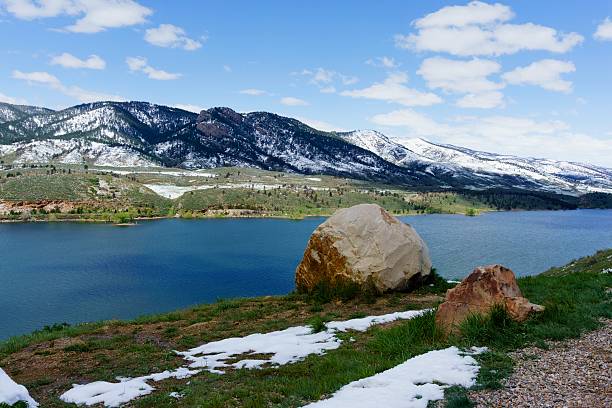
135	220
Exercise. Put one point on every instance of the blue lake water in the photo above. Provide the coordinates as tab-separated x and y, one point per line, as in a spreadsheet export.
70	272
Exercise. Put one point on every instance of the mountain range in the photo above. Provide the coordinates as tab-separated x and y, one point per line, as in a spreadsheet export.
132	134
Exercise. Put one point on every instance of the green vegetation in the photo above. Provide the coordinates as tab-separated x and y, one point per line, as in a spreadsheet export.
64	192
575	300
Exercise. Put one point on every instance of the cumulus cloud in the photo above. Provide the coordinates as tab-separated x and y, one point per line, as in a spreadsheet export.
92	15
544	73
325	79
189	107
9	99
383	62
393	89
140	64
508	134
604	30
171	36
320	125
67	60
485	100
460	76
291	101
80	94
481	29
465	77
254	92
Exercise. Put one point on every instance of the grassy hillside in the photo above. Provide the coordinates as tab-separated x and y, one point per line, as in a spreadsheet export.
50	360
103	194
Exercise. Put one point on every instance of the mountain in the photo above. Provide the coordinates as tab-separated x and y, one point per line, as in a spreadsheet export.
10	112
143	134
478	170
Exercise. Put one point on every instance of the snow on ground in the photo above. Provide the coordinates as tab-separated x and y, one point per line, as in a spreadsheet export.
11	392
172	191
411	384
115	394
284	347
313	178
195	173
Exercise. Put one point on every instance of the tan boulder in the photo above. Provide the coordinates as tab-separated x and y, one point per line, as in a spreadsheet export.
485	287
365	245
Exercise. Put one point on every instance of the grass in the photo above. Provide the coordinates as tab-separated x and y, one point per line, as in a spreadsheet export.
574	304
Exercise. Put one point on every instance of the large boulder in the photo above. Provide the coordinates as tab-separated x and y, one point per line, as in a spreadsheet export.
364	245
485	287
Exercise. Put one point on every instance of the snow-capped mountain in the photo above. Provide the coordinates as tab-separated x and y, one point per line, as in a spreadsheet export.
475	169
10	112
144	134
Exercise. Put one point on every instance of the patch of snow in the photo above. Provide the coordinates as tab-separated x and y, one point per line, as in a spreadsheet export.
171	191
116	394
11	392
176	395
411	384
285	346
313	178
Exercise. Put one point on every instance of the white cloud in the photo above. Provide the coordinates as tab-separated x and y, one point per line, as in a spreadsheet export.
480	29
254	92
80	94
475	12
9	99
485	100
460	76
227	68
291	101
393	90
325	78
39	77
190	108
320	125
67	60
328	89
171	36
604	30
506	134
383	62
93	15
140	64
544	73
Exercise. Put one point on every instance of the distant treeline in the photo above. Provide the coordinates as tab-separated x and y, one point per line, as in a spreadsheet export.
529	200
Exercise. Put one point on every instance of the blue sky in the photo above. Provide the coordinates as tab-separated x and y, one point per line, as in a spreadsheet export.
518	77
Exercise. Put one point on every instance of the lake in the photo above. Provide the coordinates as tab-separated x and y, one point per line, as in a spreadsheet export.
71	272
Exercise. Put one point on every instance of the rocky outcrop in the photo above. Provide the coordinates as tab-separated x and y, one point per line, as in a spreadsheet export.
365	245
485	287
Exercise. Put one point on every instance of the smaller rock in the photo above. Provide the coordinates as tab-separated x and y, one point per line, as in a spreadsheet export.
485	287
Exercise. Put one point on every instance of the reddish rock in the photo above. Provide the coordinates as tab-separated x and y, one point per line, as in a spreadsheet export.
485	287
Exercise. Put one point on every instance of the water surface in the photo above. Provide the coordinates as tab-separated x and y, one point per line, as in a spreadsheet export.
71	272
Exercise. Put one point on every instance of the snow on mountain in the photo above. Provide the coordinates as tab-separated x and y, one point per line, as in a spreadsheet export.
10	112
476	169
144	134
551	175
75	151
381	145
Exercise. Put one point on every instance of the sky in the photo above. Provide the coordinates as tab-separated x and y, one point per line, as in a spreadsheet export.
529	78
